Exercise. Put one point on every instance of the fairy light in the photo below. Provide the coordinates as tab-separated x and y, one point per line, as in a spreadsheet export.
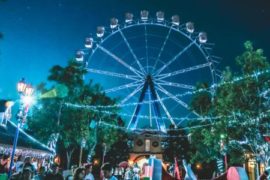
237	79
91	108
99	108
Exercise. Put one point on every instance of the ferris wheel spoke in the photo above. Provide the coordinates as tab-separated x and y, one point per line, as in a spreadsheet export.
174	58
181	71
150	108
131	94
162	47
125	86
182	103
146	48
173	84
135	71
165	109
112	74
132	52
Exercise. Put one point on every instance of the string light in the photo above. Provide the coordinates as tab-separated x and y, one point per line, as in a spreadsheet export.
98	107
25	152
139	130
214	86
139	116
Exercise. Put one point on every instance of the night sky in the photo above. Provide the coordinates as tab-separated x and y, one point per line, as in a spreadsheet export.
39	34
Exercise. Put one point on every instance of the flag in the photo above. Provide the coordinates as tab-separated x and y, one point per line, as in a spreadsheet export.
156	168
176	170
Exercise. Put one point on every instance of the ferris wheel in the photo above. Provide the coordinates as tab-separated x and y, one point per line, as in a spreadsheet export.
151	66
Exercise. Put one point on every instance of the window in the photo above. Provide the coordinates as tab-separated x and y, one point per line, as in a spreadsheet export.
147	145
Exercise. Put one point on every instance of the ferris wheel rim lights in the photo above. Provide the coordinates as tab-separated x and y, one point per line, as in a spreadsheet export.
129	18
187	30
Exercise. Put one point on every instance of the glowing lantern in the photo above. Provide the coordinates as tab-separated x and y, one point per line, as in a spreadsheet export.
202	37
144	15
21	86
198	166
160	16
128	18
114	23
9	104
79	56
29	90
190	27
96	162
100	31
88	43
175	20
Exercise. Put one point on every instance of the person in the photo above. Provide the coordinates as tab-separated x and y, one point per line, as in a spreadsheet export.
41	174
79	173
128	174
69	177
4	164
88	172
107	171
136	171
19	164
264	176
27	173
54	175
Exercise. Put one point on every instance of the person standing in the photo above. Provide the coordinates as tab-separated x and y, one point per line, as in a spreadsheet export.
79	173
107	171
4	163
88	172
128	174
54	175
264	176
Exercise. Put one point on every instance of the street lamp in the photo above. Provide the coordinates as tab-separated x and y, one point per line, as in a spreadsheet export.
21	86
25	91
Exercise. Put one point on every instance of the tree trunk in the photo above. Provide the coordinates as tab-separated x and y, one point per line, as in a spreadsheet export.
69	155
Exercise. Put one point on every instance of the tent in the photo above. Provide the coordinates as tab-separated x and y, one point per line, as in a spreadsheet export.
26	146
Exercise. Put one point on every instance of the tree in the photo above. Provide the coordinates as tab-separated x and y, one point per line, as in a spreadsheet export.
52	115
177	145
240	111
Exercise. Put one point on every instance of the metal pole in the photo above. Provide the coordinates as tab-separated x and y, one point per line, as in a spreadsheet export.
14	149
226	162
80	159
104	154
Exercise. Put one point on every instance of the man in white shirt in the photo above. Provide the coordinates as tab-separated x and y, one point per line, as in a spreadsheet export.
88	172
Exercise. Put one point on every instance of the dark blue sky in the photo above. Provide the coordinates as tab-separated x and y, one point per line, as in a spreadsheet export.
39	34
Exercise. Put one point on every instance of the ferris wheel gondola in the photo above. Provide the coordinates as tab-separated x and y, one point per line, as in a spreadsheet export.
147	61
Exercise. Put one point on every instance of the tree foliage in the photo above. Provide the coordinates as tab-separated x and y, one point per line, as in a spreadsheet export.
53	116
177	145
241	108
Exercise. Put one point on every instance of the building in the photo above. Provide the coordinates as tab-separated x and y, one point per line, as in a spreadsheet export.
145	144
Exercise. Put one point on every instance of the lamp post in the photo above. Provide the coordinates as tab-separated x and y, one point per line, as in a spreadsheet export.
25	91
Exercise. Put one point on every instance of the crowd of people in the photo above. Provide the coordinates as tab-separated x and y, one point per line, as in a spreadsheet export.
25	169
